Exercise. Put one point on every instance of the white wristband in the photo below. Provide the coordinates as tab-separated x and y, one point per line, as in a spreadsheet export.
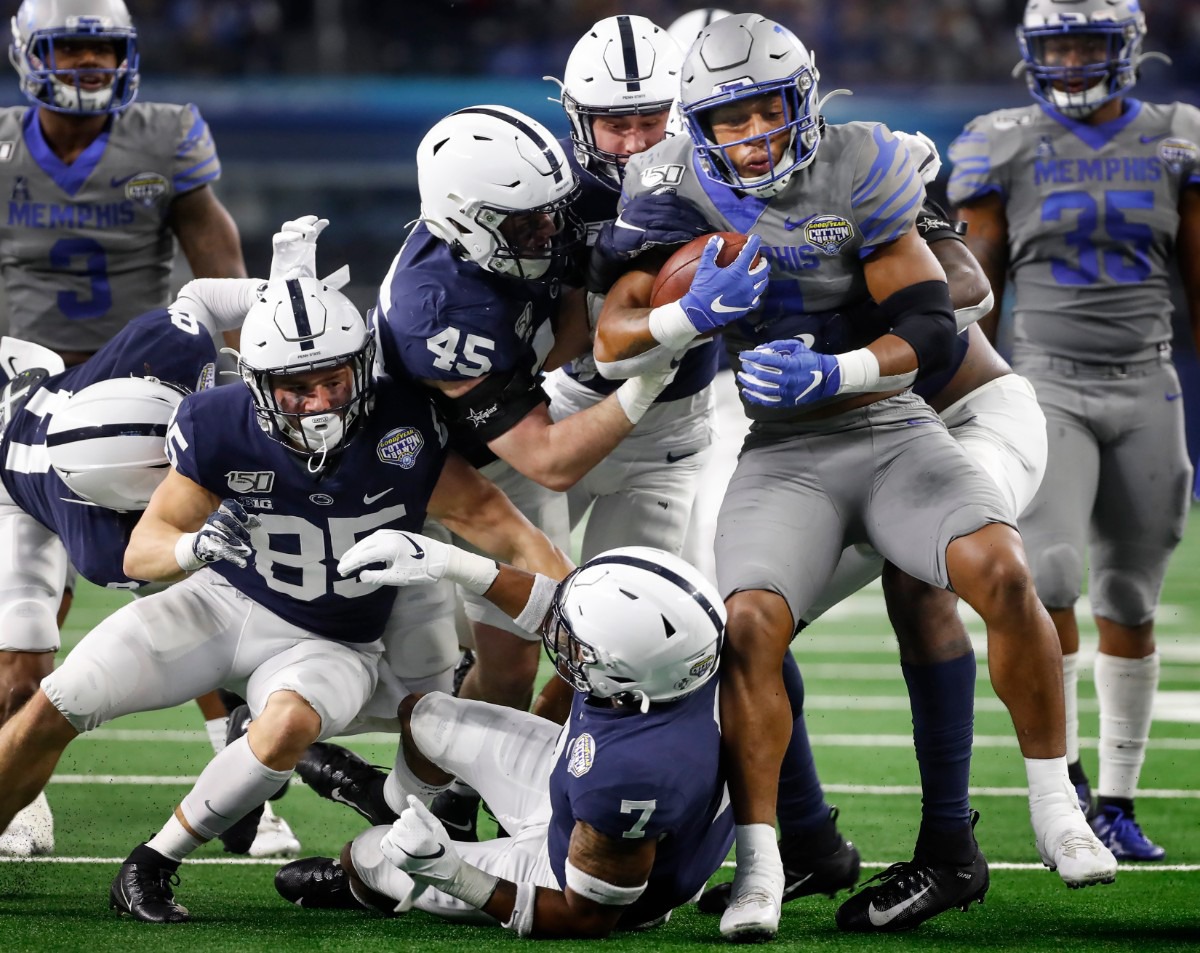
474	573
471	885
521	920
184	555
669	325
540	598
859	371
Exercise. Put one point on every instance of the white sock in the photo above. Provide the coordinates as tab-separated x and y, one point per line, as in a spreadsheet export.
1125	688
217	728
1070	666
232	784
173	841
757	852
1050	788
402	782
463	789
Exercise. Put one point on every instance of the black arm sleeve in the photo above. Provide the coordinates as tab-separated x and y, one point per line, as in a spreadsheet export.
934	225
494	407
923	315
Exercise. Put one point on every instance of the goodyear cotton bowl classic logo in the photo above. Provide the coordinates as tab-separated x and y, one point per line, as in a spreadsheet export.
401	446
828	233
1177	153
583	753
145	188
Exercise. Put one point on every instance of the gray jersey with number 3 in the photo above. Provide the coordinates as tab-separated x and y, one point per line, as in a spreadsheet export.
1092	216
86	247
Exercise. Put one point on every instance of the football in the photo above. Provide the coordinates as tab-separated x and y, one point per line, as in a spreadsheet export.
675	277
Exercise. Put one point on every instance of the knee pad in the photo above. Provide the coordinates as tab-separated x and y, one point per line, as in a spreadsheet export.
1058	575
1127	598
28	624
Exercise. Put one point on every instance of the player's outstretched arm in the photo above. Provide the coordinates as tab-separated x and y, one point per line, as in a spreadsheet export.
177	507
604	876
1188	246
209	239
987	240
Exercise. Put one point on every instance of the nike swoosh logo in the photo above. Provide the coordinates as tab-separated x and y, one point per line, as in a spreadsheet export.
621	223
1173	396
438	853
418	552
458	827
1146	140
818	376
792	226
880	918
676	457
208	805
369	498
723	308
797	884
117	183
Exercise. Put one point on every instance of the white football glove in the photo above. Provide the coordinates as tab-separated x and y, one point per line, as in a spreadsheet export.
419	845
411	559
295	248
923	152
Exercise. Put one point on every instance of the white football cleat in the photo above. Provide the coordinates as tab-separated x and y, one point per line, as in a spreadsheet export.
274	837
1067	843
753	913
31	832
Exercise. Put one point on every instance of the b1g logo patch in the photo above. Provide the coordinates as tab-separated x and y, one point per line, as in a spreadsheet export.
146	188
583	753
828	233
1178	154
400	447
250	481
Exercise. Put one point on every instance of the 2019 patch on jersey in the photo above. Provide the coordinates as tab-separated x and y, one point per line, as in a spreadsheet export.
583	753
401	446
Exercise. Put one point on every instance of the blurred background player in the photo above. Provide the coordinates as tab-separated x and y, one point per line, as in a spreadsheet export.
616	819
685	28
1081	198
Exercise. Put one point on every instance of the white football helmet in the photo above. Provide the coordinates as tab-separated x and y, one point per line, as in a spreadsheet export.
743	57
36	27
1120	26
622	66
108	442
298	325
636	621
686	28
479	165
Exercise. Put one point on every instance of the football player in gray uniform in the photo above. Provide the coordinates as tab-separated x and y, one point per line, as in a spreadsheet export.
1081	198
839	451
96	186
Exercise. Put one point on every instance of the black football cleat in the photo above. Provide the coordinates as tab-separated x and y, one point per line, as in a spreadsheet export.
465	663
338	774
316	883
803	874
459	814
143	890
909	893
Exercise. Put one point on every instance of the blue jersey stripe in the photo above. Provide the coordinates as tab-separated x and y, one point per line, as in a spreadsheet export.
884	160
198	132
189	183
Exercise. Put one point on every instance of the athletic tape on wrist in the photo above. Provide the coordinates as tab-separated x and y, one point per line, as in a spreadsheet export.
669	325
540	597
471	885
185	556
473	572
521	920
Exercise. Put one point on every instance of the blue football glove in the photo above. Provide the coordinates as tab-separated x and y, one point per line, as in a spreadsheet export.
720	295
225	535
787	373
653	220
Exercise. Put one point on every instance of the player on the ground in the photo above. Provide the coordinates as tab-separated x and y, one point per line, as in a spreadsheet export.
616	818
1082	198
269	485
839	451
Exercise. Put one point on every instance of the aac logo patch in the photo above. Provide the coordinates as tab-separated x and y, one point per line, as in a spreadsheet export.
146	188
583	753
400	447
828	233
250	481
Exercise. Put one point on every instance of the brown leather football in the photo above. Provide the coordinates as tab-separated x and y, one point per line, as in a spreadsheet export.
675	277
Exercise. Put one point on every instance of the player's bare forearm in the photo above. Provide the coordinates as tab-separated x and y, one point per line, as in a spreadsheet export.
968	283
557	455
623	330
1188	249
207	235
987	240
178	506
553	916
572	333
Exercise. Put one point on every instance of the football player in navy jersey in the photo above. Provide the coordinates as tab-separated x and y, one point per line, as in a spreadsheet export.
268	486
857	308
474	308
616	818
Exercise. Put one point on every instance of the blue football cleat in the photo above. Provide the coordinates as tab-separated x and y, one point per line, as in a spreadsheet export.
1120	833
1087	802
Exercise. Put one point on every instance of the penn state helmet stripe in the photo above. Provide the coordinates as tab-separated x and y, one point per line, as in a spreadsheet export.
300	313
538	141
629	52
671	576
106	430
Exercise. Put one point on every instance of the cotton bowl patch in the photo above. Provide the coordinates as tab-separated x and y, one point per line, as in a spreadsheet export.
401	446
828	233
146	188
583	753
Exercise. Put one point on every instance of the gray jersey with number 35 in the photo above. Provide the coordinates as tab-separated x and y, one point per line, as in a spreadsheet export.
1092	216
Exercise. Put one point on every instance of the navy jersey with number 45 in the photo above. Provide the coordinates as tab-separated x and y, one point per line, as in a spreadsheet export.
381	480
631	776
168	345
